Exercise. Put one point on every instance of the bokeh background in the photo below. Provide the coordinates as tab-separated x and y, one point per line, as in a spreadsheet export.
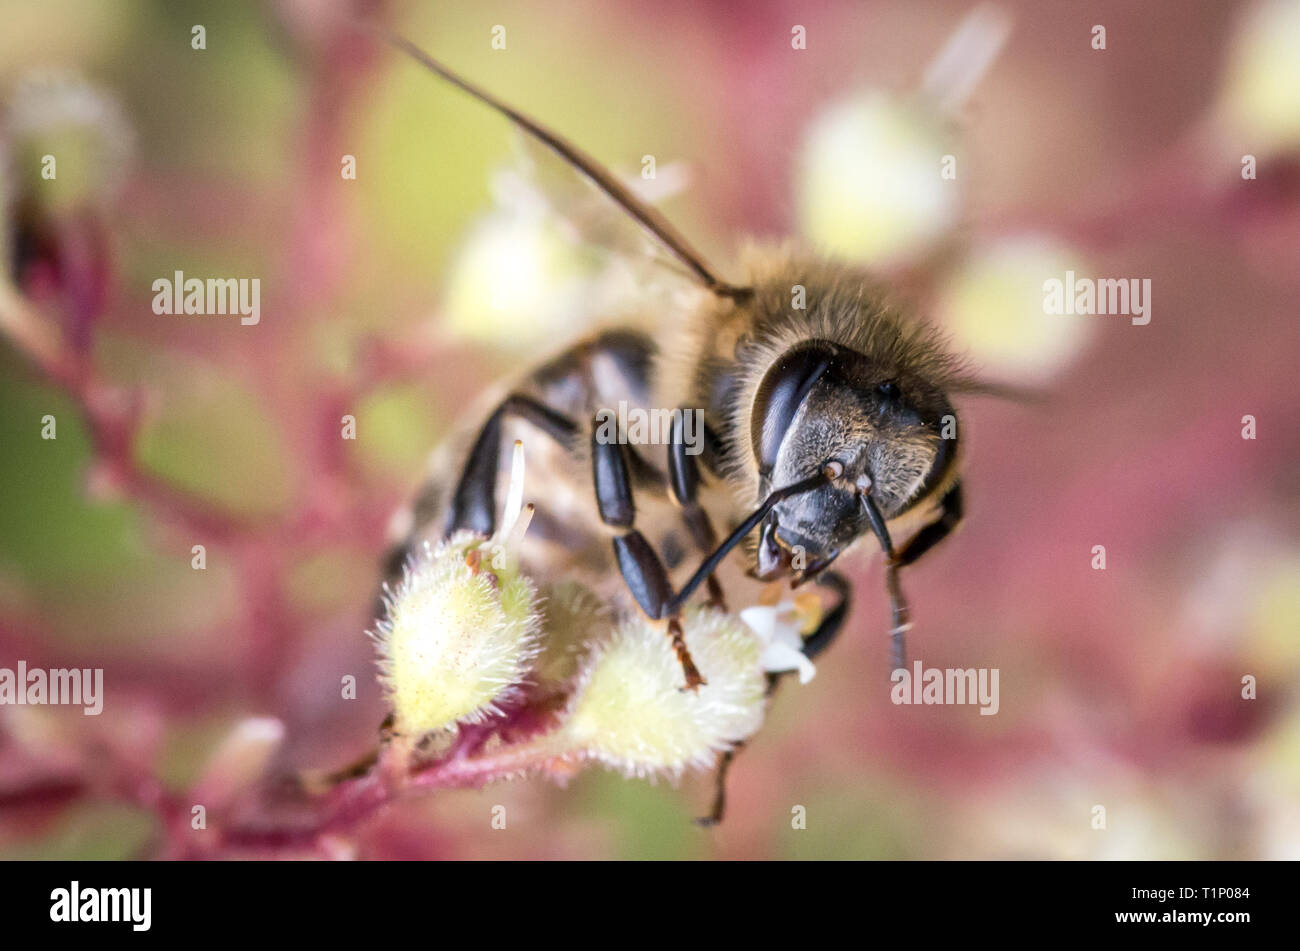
397	296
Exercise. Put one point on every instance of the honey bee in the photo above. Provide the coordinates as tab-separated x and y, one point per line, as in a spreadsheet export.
804	413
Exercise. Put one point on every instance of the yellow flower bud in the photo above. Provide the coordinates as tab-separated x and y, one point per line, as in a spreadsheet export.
460	635
572	617
1260	99
631	712
902	206
60	115
994	306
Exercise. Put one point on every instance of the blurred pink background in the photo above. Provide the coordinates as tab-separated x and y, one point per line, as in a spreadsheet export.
1120	688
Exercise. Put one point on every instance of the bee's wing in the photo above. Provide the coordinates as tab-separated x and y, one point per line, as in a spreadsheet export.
586	215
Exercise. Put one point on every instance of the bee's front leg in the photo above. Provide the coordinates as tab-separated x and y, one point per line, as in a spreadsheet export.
816	642
950	516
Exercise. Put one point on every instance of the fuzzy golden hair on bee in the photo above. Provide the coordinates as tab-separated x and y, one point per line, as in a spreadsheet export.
721	354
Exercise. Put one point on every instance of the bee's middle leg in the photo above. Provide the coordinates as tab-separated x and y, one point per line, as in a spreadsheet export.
684	484
951	511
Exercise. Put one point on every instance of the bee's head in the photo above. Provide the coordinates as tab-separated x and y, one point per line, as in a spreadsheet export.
878	432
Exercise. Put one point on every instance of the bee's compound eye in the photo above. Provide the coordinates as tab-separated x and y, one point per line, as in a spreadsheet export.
888	390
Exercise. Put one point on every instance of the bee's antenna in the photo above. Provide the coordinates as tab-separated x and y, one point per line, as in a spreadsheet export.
743	529
877	524
646	215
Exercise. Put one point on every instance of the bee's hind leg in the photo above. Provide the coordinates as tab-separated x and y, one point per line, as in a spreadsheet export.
473	506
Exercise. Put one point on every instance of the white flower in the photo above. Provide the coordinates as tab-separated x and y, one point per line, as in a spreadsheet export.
778	628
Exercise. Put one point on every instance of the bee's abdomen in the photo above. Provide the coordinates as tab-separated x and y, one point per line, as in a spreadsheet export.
598	373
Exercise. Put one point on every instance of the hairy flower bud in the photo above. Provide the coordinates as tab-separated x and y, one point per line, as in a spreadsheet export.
461	633
462	628
572	618
61	115
1259	101
897	212
631	712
